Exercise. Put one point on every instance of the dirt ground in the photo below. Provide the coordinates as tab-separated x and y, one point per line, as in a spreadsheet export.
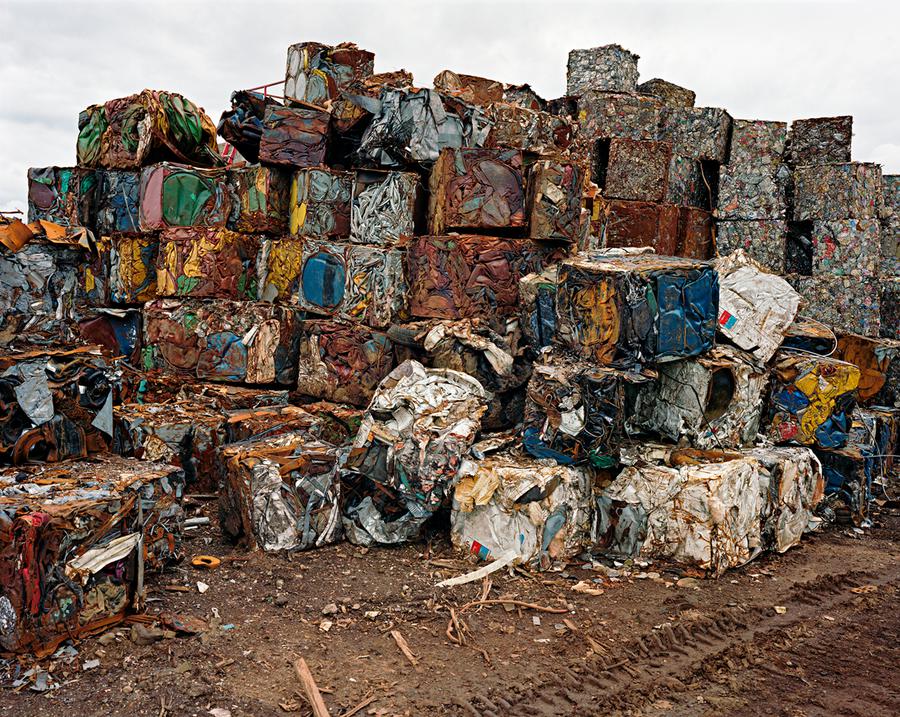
814	631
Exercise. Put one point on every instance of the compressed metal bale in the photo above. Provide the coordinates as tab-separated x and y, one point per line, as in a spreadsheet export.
887	441
604	115
763	240
133	268
411	447
484	92
554	200
821	140
316	73
537	307
890	226
575	410
757	142
220	340
320	202
668	93
153	126
514	503
692	183
232	398
852	190
174	195
888	294
281	492
385	206
242	125
752	190
57	404
846	247
711	401
294	136
80	537
608	68
253	423
260	199
118	201
812	398
636	170
627	310
62	195
210	263
476	189
695	233
849	474
698	132
531	131
846	303
342	361
118	331
279	266
874	358
620	223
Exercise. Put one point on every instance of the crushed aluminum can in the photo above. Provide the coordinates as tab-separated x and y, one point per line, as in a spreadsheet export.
636	170
850	190
698	132
764	241
822	140
608	68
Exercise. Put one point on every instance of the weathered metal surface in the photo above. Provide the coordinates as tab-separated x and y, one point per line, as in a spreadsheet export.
698	132
852	190
888	293
554	200
608	68
532	131
316	73
637	170
133	268
260	198
242	125
320	203
206	263
845	303
385	206
890	226
846	247
174	195
118	201
62	195
821	140
294	136
764	241
874	358
668	93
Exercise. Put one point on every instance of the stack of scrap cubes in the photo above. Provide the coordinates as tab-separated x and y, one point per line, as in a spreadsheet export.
563	321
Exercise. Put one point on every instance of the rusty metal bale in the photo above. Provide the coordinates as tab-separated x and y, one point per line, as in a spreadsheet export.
608	68
668	93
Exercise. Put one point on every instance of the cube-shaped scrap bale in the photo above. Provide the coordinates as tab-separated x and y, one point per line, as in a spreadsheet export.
604	115
537	307
294	136
757	142
812	400
278	267
661	512
360	283
175	195
554	200
575	410
620	223
890	226
531	131
513	503
846	247
874	358
343	362
636	170
465	276
317	73
711	401
692	183
845	303
219	340
260	196
695	233
608	68
386	206
475	90
208	263
668	93
62	195
118	201
320	203
281	492
409	450
628	310
79	538
153	126
764	241
57	405
852	190
753	191
889	295
477	189
821	140
698	132
184	434
132	269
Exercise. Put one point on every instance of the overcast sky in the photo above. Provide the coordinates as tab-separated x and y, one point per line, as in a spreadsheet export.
760	60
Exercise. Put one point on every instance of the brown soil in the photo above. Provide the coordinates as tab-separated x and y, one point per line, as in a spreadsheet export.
646	646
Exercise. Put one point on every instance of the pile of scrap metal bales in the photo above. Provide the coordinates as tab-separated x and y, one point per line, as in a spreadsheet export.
562	321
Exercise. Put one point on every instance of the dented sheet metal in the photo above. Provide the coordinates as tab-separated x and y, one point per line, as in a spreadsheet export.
413	442
132	271
705	515
118	201
232	398
219	340
80	536
242	125
812	399
540	511
627	310
821	140
477	188
175	195
152	126
260	198
56	405
118	331
484	92
532	131
608	68
764	241
755	307
619	223
278	268
267	422
537	307
711	401
636	170
316	73
62	195
385	206
342	361
851	190
294	136
874	358
208	263
554	201
281	493
320	203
